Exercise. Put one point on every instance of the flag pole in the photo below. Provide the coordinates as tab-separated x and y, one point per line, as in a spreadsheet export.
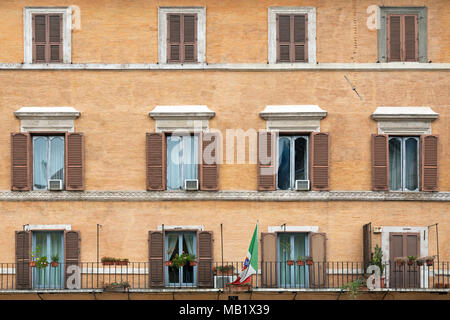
221	244
257	269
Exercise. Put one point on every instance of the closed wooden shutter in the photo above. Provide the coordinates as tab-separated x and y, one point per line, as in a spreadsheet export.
404	245
367	245
23	259
156	161
429	163
209	168
320	161
182	38
402	37
205	277
411	38
292	38
72	241
156	258
380	162
266	161
269	263
20	161
394	38
74	161
318	253
47	37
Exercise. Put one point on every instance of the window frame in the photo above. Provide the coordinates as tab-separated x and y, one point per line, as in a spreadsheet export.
403	140
180	249
292	139
66	27
422	30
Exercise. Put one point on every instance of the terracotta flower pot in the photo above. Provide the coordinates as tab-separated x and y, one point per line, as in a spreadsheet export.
410	262
193	263
300	263
290	262
383	284
54	264
108	263
430	262
309	262
33	264
121	263
168	263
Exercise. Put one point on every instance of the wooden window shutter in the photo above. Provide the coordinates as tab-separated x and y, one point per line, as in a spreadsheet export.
174	38
39	25
47	37
380	162
72	249
205	277
367	245
318	254
181	38
429	162
283	38
266	161
300	38
394	38
320	159
156	257
292	38
189	38
403	37
74	161
21	166
156	161
269	260
411	38
209	168
23	258
55	32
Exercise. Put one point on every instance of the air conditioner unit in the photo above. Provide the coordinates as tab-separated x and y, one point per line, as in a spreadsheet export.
55	184
191	184
302	185
222	281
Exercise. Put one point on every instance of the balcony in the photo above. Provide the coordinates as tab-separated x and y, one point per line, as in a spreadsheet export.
272	276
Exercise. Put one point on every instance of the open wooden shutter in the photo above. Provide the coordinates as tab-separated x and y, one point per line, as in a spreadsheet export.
47	37
72	248
269	260
209	168
367	245
266	161
318	253
21	166
74	161
380	162
394	38
23	258
205	277
300	38
320	161
429	162
189	32
156	258
156	161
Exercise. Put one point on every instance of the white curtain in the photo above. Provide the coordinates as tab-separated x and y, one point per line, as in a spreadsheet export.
40	155
189	241
411	164
172	240
395	164
182	160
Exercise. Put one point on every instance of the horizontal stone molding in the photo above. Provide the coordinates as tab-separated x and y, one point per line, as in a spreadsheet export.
265	196
392	66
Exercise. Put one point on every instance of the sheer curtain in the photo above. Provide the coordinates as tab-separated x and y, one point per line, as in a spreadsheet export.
395	164
284	163
299	250
189	241
411	164
56	161
56	276
190	162
182	160
40	155
172	240
284	256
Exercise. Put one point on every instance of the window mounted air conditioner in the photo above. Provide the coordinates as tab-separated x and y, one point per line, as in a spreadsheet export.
222	281
301	185
191	184
55	185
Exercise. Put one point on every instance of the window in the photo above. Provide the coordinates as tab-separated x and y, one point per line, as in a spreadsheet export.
292	34
182	35
290	247
49	244
182	160
177	243
292	161
402	36
48	160
47	35
403	163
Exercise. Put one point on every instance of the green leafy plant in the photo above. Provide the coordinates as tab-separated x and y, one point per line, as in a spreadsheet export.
353	287
39	261
179	260
411	260
377	259
55	260
191	258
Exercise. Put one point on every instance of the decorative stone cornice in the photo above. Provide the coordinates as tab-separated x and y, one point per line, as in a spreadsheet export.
47	118
266	196
295	118
190	118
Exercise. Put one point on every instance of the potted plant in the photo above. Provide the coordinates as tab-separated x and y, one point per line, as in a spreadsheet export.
300	261
179	260
309	261
223	270
121	262
419	262
33	263
41	262
55	260
290	262
411	260
377	260
191	259
168	263
117	286
400	261
429	260
108	261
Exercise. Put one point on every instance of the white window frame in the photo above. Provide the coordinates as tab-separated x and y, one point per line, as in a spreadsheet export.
403	161
201	32
292	158
272	31
28	30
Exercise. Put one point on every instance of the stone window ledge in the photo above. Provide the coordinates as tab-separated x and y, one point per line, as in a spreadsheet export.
191	118
293	118
60	119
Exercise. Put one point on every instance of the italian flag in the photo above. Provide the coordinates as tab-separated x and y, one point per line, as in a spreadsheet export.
251	261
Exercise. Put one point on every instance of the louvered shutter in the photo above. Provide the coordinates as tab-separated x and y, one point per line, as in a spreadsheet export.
55	38
209	168
23	258
318	253
429	163
20	161
320	161
75	161
300	38
39	25
269	263
380	162
174	38
292	38
411	38
266	161
189	38
367	245
205	277
47	37
394	38
156	257
284	38
156	161
72	249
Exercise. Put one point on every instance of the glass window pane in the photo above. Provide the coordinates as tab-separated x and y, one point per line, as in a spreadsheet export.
395	164
284	163
174	163
40	154
190	163
411	182
56	162
300	159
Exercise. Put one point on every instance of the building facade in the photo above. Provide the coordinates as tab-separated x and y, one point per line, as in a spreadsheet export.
146	129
